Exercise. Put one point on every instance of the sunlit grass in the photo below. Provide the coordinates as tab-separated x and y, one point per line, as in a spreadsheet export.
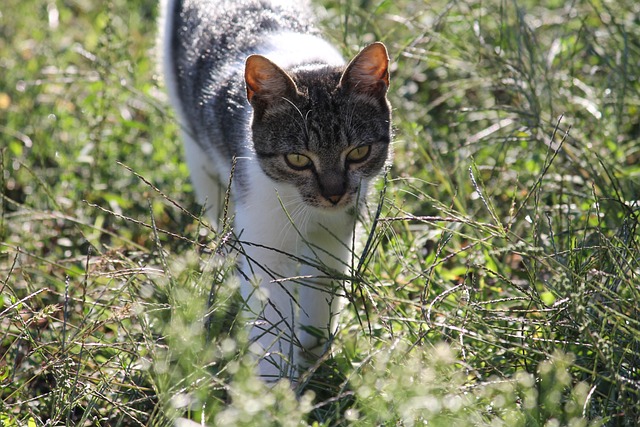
499	285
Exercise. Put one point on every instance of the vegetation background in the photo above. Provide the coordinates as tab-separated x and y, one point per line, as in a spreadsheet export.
500	281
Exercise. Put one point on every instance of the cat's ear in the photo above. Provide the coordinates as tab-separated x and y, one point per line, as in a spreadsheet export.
266	80
368	72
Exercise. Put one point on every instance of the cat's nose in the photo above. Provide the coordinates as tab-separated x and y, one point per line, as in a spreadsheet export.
332	186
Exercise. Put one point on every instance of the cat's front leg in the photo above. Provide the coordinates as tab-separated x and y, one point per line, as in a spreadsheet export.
292	318
320	306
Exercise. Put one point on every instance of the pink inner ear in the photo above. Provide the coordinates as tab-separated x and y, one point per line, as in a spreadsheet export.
266	79
369	68
253	75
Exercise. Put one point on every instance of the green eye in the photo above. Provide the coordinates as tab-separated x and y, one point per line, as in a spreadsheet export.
298	161
359	154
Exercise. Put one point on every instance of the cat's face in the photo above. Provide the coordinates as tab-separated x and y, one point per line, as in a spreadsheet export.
326	132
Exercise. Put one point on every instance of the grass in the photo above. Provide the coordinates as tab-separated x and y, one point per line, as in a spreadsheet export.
500	285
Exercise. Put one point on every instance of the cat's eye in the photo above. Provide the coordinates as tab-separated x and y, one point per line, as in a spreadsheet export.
359	154
298	161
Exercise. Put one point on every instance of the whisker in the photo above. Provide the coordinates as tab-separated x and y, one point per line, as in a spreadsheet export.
304	117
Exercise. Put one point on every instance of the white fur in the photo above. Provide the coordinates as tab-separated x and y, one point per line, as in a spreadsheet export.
286	49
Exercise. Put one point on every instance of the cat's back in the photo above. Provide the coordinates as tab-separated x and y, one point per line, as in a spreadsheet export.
208	34
206	39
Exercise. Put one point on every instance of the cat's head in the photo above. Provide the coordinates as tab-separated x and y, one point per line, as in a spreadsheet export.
324	130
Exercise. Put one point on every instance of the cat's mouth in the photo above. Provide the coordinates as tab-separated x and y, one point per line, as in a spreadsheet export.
336	203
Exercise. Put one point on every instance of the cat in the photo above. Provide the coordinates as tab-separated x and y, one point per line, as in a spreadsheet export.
271	110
